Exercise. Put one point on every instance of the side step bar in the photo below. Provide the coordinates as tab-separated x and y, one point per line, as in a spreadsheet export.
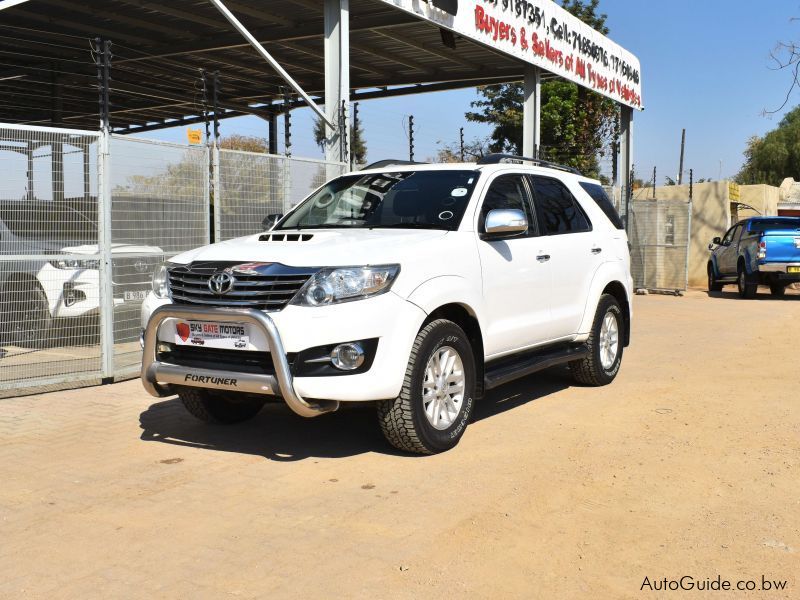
511	368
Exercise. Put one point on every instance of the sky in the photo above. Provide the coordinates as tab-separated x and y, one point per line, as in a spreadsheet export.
705	67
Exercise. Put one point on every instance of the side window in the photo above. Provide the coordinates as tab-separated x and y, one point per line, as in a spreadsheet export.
599	195
507	191
731	235
558	210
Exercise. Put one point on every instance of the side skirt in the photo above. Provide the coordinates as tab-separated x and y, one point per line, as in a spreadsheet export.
513	367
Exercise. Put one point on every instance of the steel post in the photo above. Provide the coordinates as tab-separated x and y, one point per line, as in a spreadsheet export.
532	112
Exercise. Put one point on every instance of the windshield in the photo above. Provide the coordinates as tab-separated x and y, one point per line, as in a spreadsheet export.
404	200
760	225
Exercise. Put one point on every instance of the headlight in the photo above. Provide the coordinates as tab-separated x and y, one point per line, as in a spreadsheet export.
72	263
161	282
330	286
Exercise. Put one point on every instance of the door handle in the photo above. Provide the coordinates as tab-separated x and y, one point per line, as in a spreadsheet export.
596	250
543	257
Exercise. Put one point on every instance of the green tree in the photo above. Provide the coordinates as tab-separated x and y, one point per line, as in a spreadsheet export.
577	123
358	146
772	158
451	153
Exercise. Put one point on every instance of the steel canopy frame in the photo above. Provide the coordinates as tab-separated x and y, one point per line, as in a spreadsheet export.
268	57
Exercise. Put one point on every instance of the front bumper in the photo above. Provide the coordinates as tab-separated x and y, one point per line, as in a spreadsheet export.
388	317
158	377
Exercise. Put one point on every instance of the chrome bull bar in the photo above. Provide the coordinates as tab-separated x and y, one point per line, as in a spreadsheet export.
159	377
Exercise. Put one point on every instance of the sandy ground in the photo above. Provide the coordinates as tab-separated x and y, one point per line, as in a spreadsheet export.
688	465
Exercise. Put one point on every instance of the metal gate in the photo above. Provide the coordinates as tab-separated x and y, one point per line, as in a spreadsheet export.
659	233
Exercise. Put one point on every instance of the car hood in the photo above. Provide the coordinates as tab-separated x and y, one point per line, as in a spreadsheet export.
115	249
322	248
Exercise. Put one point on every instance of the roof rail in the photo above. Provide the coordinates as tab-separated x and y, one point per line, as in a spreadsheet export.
493	159
390	163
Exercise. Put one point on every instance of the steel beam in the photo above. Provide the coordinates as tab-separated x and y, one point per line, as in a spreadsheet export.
532	112
337	78
625	159
268	57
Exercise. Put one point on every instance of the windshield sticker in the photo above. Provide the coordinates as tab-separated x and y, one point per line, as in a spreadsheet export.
445	215
459	192
471	179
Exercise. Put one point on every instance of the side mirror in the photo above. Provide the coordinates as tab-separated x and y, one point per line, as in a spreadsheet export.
506	222
270	221
717	241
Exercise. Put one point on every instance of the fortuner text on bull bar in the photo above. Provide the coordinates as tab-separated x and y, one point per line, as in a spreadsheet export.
156	373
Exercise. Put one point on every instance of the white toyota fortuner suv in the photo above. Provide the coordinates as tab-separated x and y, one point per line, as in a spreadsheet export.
415	287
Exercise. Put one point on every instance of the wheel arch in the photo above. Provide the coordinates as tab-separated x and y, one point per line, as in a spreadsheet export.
611	279
21	278
617	290
462	315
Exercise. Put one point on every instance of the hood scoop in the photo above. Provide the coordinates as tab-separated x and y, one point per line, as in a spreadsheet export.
285	237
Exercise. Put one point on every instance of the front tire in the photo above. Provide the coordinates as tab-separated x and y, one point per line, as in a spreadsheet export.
713	284
217	407
778	290
605	346
747	288
27	322
437	398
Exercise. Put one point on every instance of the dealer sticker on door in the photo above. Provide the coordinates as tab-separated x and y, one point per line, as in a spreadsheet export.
210	334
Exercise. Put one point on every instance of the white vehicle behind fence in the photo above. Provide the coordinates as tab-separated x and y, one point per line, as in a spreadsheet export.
56	280
414	287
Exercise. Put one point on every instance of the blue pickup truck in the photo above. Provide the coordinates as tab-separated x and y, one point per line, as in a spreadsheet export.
756	251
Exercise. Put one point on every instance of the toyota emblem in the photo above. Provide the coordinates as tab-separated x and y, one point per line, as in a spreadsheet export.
221	283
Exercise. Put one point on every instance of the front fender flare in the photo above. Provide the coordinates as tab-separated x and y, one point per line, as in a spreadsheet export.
448	289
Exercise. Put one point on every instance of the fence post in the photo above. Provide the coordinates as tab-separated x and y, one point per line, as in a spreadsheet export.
688	240
207	194
287	184
217	193
104	240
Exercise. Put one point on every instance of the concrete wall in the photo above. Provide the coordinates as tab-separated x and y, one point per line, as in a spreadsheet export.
764	198
711	217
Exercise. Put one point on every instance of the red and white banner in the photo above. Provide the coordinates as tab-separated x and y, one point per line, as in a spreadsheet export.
541	33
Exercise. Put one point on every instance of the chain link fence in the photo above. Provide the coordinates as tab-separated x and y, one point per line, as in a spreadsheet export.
659	234
49	256
85	219
159	208
252	186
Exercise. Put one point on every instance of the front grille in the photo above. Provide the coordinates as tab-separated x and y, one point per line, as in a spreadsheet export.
134	272
264	286
236	361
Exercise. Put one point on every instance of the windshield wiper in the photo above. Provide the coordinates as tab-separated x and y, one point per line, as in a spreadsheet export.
408	226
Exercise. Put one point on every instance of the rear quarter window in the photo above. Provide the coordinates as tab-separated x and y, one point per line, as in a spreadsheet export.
602	200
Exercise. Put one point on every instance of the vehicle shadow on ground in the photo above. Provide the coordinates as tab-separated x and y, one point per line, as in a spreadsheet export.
763	294
278	434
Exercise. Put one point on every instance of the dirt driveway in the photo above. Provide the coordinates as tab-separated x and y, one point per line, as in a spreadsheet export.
688	465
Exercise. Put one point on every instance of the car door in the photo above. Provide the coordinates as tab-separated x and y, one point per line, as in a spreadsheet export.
574	252
516	279
728	255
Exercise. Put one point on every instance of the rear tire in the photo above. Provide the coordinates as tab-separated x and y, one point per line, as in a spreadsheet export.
747	287
217	407
713	284
605	346
437	398
26	319
777	289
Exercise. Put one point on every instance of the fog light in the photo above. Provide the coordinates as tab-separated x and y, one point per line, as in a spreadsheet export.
348	357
